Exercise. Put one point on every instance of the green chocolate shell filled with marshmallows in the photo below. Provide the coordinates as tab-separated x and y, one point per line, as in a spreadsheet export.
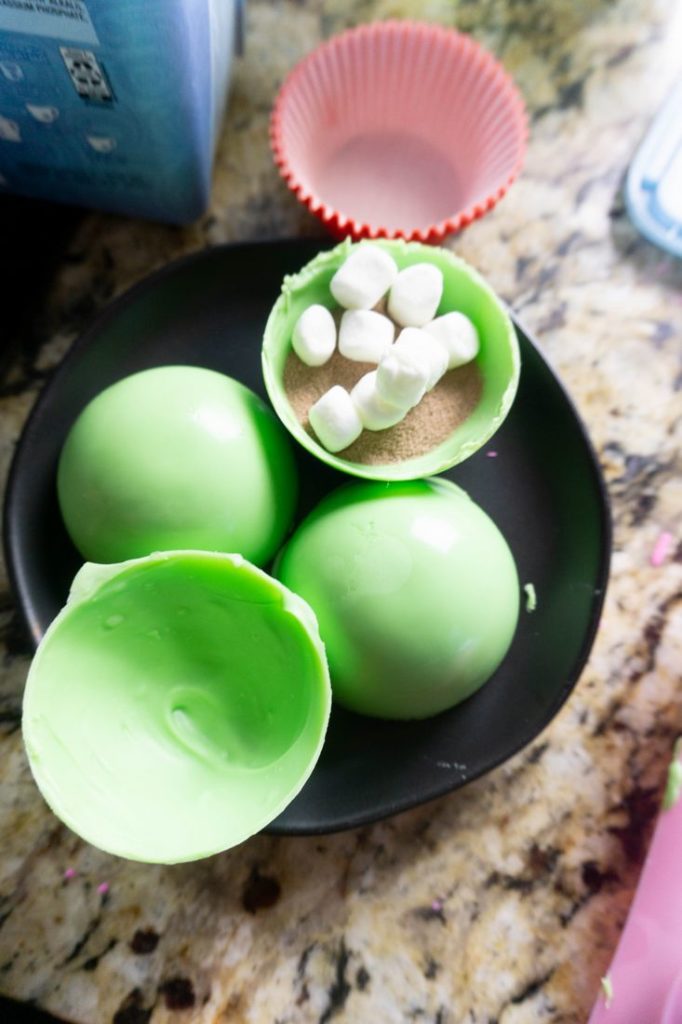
408	452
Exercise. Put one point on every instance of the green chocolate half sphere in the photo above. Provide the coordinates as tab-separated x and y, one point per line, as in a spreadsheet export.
464	290
415	591
176	704
176	457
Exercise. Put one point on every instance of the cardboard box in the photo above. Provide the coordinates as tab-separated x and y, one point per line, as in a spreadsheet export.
114	103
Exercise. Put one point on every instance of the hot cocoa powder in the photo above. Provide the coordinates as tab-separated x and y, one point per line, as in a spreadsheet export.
440	411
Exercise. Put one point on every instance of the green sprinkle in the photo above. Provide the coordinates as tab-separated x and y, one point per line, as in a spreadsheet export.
531	597
673	789
607	988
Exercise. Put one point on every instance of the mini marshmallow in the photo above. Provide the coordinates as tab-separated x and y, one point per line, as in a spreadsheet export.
364	278
375	413
415	295
335	419
414	339
458	335
402	376
314	336
365	336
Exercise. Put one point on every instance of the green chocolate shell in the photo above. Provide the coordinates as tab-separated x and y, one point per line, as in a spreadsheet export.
464	290
176	705
415	590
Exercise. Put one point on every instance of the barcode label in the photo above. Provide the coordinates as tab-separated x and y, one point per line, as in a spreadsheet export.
87	75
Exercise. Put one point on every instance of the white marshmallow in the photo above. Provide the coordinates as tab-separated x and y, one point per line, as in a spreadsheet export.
414	339
375	413
314	337
335	419
415	295
365	336
364	278
459	336
402	376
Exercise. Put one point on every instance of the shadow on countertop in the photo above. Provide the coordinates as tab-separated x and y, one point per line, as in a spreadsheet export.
22	1013
34	237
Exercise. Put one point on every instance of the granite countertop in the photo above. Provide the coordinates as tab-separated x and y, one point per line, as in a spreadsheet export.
501	903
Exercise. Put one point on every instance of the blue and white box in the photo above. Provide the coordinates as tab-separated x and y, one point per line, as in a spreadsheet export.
114	104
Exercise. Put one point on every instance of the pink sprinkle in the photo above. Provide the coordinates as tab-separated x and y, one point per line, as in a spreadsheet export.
437	906
662	549
69	874
103	888
491	455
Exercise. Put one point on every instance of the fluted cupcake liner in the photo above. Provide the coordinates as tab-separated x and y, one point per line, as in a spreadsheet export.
399	129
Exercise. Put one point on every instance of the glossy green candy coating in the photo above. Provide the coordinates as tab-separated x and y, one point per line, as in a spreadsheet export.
176	457
176	705
415	591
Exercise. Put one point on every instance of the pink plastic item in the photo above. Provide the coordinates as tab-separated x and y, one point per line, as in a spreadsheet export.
662	549
672	1011
646	972
399	129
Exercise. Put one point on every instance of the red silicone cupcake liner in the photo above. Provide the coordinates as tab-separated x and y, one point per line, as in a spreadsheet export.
399	129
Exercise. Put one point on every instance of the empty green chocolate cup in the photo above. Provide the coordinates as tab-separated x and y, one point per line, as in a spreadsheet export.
176	704
464	290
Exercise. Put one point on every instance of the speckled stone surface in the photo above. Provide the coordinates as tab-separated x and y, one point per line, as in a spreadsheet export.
502	903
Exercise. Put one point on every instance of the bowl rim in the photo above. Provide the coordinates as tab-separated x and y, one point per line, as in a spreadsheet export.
340	223
407	469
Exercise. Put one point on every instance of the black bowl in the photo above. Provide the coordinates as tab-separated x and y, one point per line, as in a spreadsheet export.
543	488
